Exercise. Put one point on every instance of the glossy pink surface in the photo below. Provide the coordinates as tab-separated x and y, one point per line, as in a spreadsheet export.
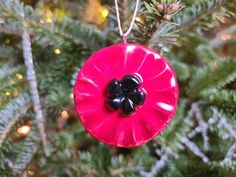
158	82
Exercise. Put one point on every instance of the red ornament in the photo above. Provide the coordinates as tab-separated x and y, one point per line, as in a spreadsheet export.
125	95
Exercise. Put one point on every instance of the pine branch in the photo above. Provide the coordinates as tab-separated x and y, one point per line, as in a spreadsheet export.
202	125
27	152
197	11
7	52
232	131
217	75
177	129
228	158
206	53
223	99
92	37
11	28
221	131
74	6
217	41
204	14
58	99
76	31
31	76
166	33
197	16
159	164
11	113
181	69
199	129
191	146
8	69
8	79
74	76
223	121
124	11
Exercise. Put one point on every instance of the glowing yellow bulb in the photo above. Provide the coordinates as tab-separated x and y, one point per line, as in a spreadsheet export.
48	20
60	14
23	130
65	115
30	173
71	96
7	93
19	76
104	12
57	51
7	41
139	20
48	15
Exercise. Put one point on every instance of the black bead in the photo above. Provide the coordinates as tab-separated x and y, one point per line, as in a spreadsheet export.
115	88
128	107
115	102
137	97
130	83
124	94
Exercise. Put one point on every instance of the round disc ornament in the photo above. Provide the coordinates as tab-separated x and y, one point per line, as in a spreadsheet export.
126	94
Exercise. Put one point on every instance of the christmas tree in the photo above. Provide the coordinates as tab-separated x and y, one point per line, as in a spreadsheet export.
45	43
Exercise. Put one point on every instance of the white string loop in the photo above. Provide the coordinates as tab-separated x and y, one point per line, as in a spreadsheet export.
122	34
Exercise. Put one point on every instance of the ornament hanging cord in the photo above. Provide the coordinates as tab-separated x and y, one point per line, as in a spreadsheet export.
122	34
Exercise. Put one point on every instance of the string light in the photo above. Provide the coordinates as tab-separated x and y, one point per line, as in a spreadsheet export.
16	92
19	76
60	14
48	16
42	21
2	21
30	173
65	115
214	64
7	41
8	93
104	12
12	82
96	13
226	37
139	19
57	51
48	20
23	130
72	96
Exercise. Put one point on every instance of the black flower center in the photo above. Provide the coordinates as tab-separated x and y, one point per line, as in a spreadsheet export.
124	95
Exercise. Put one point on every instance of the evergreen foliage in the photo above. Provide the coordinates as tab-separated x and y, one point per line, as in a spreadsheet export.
200	141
